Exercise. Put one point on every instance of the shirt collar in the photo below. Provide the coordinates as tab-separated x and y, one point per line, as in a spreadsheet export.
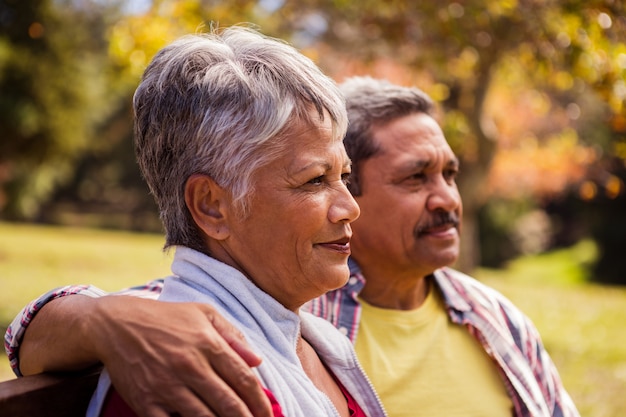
453	297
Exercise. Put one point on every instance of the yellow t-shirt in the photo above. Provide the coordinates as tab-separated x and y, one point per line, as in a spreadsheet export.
423	365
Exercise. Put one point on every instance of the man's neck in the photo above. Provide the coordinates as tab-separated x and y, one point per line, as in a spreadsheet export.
394	290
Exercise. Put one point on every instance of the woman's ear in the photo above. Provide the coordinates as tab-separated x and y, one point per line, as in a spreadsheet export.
208	205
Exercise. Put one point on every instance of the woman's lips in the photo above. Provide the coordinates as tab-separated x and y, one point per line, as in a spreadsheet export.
340	245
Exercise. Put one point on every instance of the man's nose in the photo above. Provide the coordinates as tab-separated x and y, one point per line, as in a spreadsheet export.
444	196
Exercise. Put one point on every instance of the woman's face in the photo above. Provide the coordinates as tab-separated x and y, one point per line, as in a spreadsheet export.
296	241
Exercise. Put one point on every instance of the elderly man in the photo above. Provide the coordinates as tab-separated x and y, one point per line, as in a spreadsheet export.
434	342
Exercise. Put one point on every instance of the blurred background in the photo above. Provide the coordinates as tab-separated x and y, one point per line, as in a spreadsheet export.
531	95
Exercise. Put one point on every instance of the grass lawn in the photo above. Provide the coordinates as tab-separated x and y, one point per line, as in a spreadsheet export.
34	259
583	325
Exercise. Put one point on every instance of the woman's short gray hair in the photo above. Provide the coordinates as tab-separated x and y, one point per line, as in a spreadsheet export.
222	104
373	102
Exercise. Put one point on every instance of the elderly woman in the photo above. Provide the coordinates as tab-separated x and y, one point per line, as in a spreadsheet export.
239	138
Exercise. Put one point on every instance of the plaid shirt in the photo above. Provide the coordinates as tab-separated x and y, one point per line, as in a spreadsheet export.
506	334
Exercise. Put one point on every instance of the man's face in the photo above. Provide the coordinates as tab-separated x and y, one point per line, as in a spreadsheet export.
410	204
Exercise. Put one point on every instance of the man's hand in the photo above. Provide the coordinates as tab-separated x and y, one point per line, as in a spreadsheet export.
162	357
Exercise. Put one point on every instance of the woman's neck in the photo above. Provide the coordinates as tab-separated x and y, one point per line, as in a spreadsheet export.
321	376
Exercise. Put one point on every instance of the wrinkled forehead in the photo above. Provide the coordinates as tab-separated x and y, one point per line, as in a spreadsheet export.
414	134
307	158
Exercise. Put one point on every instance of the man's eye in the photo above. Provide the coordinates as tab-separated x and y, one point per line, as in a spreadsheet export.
417	176
451	174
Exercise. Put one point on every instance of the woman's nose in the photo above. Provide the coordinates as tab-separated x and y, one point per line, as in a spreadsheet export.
344	208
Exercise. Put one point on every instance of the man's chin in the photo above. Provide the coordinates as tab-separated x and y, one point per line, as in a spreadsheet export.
444	258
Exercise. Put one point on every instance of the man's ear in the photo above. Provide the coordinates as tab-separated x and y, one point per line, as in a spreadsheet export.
208	204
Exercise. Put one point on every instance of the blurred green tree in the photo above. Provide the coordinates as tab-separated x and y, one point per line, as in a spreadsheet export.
57	89
67	72
106	189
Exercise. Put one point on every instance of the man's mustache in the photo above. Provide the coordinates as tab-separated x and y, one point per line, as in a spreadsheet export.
438	219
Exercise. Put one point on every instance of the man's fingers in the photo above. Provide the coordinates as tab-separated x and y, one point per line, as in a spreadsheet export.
235	383
208	396
191	406
152	412
194	363
233	390
234	338
224	402
177	402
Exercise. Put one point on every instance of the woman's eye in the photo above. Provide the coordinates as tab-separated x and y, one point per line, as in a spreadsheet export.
345	178
316	180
